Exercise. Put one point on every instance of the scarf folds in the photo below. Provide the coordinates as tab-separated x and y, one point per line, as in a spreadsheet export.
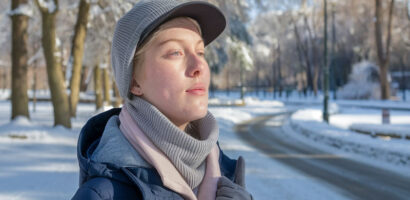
186	153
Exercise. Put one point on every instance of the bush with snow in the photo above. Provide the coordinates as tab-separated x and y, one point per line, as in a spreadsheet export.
363	82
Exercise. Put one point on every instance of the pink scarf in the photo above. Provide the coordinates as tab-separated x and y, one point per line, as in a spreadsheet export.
170	176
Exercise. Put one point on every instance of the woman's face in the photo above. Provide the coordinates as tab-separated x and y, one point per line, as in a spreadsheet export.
174	75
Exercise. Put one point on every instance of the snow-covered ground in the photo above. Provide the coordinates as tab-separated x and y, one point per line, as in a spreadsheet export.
266	178
391	153
44	166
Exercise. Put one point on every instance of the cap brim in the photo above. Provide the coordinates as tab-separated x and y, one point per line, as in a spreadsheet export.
209	17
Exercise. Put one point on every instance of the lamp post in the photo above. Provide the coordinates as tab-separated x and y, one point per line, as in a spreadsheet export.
325	69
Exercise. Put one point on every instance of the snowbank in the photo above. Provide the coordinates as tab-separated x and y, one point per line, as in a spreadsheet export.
308	123
388	130
22	129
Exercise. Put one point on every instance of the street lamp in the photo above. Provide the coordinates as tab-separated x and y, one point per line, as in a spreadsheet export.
325	69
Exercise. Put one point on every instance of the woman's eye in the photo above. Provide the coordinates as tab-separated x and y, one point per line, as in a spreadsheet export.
175	53
201	53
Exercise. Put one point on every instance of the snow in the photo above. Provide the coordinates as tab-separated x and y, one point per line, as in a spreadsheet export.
37	55
241	52
298	99
262	50
364	76
39	160
49	4
246	55
270	180
350	116
42	166
23	9
393	130
395	153
69	68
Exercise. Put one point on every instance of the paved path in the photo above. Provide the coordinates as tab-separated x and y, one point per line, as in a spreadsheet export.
353	179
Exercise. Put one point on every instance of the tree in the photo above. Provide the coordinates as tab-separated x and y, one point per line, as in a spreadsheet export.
303	50
106	85
117	101
98	87
77	51
55	76
240	54
408	9
19	98
383	54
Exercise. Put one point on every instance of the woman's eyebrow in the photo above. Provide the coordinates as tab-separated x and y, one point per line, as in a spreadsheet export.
178	40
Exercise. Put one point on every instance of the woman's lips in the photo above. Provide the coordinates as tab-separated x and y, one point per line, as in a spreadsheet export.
197	90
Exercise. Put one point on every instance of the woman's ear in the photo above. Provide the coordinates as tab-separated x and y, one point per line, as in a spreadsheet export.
136	88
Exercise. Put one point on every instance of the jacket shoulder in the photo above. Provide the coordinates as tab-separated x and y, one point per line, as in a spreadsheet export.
101	188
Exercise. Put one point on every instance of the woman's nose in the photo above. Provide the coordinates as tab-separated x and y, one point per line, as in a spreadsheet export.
196	65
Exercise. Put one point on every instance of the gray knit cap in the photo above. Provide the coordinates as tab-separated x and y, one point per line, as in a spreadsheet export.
143	18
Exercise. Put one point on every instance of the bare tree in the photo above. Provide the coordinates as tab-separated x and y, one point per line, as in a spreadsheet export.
98	87
117	102
19	98
59	98
106	85
304	52
383	54
77	51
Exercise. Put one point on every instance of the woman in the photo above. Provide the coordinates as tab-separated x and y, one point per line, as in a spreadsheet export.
162	144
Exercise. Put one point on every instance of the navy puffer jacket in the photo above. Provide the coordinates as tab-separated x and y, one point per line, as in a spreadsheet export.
121	179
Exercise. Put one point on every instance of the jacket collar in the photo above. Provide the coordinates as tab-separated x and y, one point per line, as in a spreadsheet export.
142	177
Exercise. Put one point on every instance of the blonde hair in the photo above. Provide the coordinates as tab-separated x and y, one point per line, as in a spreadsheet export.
138	59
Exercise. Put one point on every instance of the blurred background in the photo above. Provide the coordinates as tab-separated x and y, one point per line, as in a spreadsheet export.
313	93
274	47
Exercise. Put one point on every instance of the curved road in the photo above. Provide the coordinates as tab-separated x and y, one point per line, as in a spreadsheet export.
353	179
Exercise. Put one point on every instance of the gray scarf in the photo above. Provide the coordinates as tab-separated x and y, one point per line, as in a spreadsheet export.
185	152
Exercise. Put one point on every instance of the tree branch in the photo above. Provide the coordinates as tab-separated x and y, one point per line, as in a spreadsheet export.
389	29
408	9
44	9
378	30
41	8
57	6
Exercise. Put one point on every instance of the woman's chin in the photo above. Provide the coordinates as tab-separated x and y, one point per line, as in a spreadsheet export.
198	113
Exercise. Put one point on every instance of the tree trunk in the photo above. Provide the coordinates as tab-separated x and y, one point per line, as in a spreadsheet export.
19	97
54	73
384	82
315	79
383	53
302	67
333	54
77	52
305	55
403	77
84	76
118	100
98	88
106	80
227	81
34	86
274	79
279	73
312	57
257	85
408	10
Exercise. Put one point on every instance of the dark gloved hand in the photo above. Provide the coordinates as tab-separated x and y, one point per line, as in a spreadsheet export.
228	190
